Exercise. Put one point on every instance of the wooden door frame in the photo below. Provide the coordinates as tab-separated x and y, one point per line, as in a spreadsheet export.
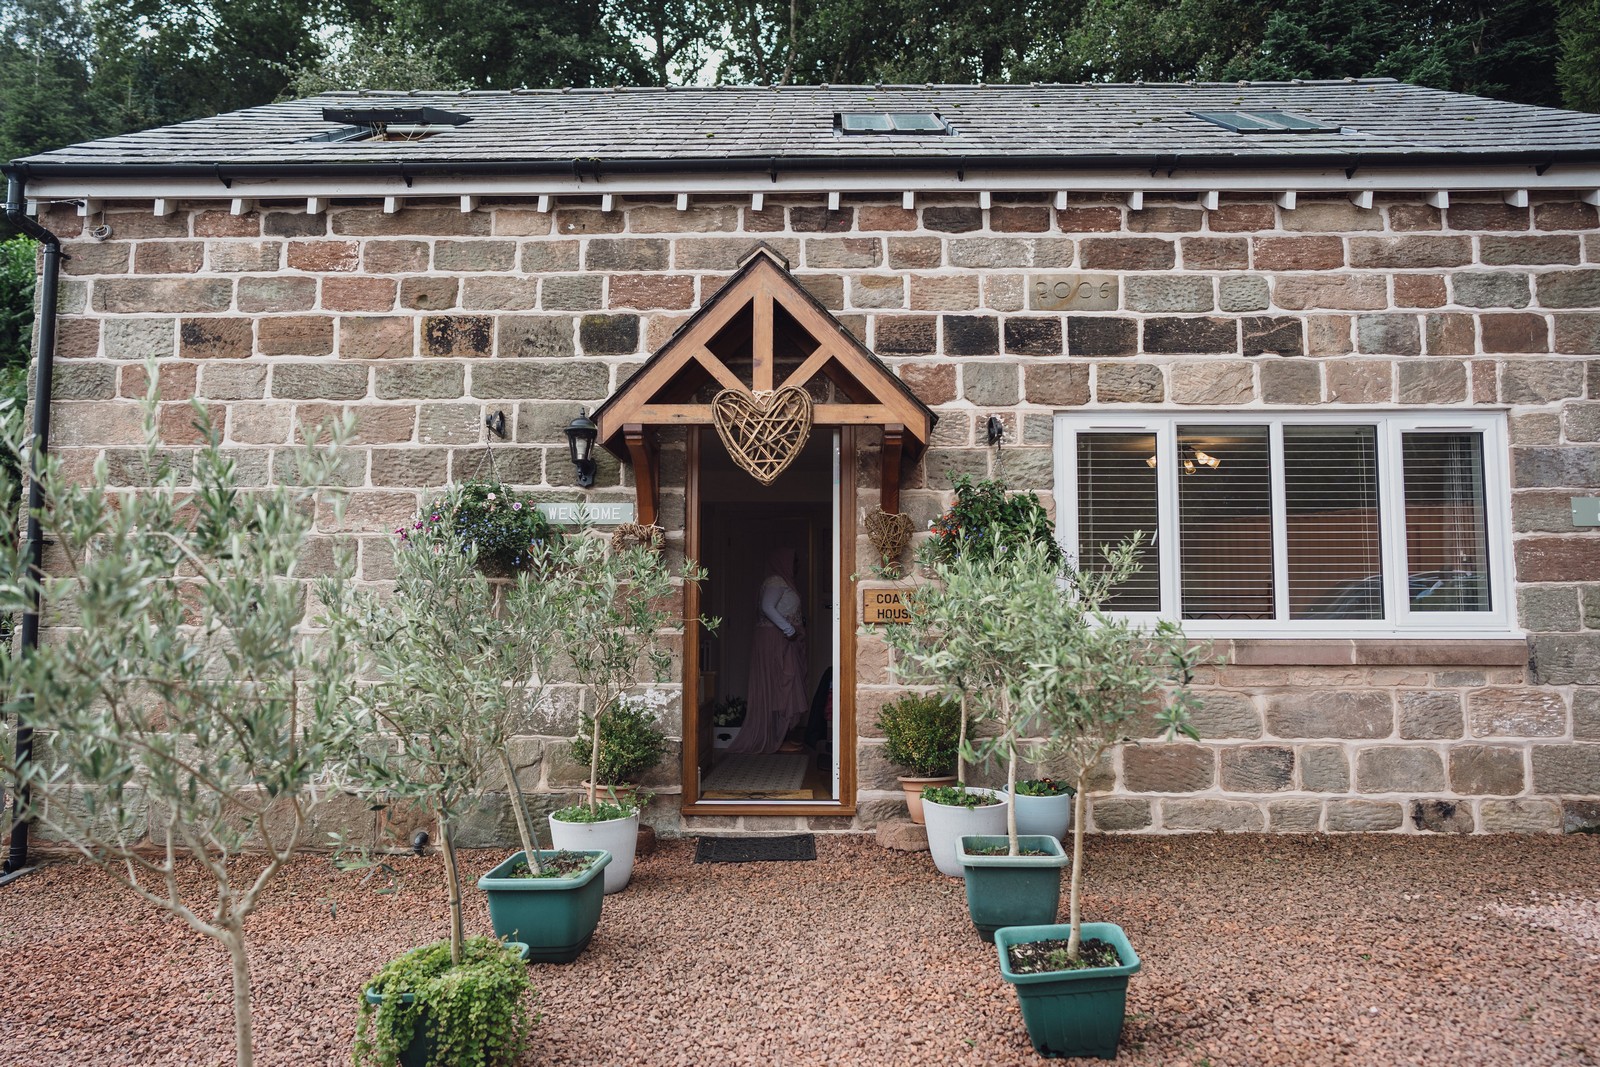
844	671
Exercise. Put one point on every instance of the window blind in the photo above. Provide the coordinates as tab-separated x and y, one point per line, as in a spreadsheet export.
1224	476
1117	498
1447	536
1330	497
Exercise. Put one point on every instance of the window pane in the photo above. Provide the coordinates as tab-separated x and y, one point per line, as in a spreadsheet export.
1225	522
1447	535
1116	498
1330	496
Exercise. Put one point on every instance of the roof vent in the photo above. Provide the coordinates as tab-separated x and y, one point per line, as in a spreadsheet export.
858	122
1264	122
387	123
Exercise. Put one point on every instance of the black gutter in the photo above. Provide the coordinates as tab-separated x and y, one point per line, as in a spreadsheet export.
598	167
49	278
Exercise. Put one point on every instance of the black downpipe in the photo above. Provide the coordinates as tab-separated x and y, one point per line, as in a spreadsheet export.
49	278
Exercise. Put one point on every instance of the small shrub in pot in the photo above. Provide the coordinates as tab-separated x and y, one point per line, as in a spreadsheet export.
470	1012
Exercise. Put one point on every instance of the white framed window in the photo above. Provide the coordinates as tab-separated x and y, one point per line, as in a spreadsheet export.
1272	524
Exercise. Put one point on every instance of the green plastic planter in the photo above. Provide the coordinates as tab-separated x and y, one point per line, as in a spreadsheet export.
1012	890
419	1053
1071	1013
555	917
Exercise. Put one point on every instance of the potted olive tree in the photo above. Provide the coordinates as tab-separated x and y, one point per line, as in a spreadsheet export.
1099	674
452	667
952	642
615	606
923	735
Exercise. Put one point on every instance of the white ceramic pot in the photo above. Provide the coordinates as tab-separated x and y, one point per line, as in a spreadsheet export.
948	824
1044	816
620	837
722	736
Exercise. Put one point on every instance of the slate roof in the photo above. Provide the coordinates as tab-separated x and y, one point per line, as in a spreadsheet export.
549	131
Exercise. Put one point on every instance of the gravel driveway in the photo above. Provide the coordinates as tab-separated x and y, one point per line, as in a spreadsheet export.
1257	950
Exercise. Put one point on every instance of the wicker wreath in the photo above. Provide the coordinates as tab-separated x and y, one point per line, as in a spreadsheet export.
763	432
631	534
890	533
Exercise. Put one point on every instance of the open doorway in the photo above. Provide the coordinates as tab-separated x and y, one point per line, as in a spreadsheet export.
789	750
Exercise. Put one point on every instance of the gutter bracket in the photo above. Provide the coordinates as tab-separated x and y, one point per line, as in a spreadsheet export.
1542	167
227	183
403	175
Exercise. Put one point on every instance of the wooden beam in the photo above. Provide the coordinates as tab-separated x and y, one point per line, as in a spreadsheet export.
646	473
894	439
807	370
823	415
716	368
761	342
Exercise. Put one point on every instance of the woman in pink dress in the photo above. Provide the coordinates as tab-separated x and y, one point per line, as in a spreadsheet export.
776	695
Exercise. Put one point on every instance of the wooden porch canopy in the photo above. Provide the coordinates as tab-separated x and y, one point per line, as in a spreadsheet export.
761	331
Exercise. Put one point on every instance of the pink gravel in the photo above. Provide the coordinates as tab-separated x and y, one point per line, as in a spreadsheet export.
1257	950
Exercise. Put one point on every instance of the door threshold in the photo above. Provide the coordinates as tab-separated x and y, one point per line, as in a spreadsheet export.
768	807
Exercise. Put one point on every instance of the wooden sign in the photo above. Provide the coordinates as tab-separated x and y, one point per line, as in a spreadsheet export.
881	607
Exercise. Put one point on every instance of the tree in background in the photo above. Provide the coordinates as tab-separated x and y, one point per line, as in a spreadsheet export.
46	82
17	272
1579	66
367	58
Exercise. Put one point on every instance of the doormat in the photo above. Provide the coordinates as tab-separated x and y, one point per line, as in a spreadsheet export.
745	773
789	847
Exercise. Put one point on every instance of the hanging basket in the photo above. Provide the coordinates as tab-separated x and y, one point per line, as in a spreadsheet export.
764	431
632	534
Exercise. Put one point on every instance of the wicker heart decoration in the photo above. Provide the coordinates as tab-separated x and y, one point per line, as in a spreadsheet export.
763	432
890	533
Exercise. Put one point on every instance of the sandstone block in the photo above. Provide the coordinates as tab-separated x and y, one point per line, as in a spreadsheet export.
160	257
322	257
990	252
295	335
1294	816
877	291
935	383
340	293
1497	289
1095	335
883	218
376	337
1128	383
394	257
233	381
434	293
1419	291
1432	381
1549	608
421	221
1019	219
1241	218
141	338
1426	716
1213	383
1540	381
905	334
1450	335
1442	816
1367	381
1520	816
1243	293
570	292
1399	769
843	253
1215	253
1501	712
1211	815
902	835
1277	335
1291	382
1479	770
1331	216
1190	335
1410	253
913	253
1486	215
725	253
1580	816
214	338
1116	814
1127	253
520	379
167	295
1349	713
1298	253
1363	816
318	381
821	220
1571	769
1167	768
541	257
1565	215
608	335
1033	336
1335	292
990	384
1389	335
1586	714
1530	251
1165	218
951	219
420	381
1569	288
1257	769
1561	659
1089	220
523	336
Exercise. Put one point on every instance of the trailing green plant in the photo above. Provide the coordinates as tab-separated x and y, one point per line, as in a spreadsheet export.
922	734
603	810
986	520
729	711
1045	787
507	530
197	710
630	741
959	796
471	1010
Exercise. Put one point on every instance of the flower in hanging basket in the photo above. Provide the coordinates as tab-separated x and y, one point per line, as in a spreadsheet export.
506	530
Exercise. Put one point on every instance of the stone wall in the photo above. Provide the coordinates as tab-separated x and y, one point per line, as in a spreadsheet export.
425	320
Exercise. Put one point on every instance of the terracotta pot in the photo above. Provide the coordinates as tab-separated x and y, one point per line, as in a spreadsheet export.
914	788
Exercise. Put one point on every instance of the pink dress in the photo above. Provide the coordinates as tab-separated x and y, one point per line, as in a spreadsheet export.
776	694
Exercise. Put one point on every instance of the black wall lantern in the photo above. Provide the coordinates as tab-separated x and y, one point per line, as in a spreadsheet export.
581	433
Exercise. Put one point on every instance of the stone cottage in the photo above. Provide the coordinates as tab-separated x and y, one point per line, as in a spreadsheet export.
1334	343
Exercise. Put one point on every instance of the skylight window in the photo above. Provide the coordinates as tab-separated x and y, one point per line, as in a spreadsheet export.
890	122
388	123
1264	122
